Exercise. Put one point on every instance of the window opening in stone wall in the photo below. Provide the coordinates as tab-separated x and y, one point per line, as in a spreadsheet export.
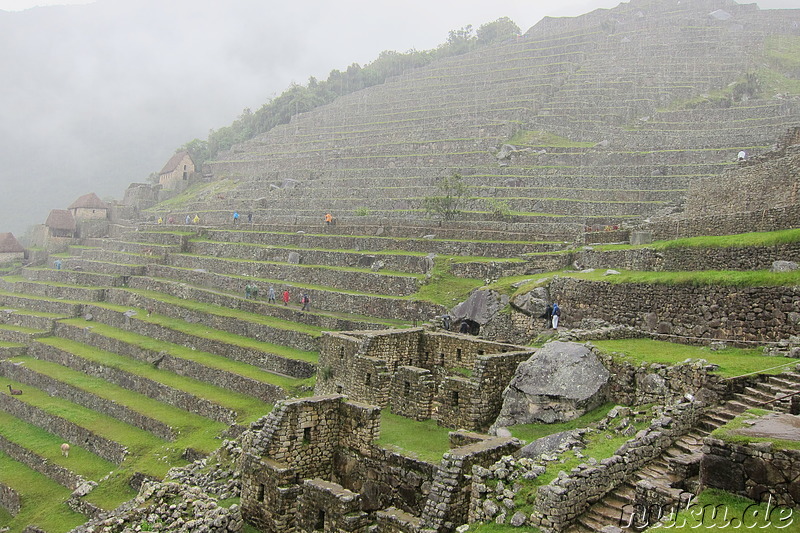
306	435
341	353
339	389
480	352
455	398
458	354
262	489
441	359
368	379
406	388
320	525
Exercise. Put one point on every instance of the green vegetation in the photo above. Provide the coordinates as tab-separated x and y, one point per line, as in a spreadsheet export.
424	440
444	288
728	432
447	204
732	361
539	139
714	509
531	432
49	512
769	238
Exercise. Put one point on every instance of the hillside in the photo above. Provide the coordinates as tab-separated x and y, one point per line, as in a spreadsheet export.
150	343
612	116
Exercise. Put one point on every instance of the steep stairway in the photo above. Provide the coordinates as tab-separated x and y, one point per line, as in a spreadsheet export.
678	466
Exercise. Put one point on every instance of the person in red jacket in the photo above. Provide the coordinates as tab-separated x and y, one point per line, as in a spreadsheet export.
286	297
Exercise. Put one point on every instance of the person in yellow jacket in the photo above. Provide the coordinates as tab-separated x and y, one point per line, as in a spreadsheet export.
196	219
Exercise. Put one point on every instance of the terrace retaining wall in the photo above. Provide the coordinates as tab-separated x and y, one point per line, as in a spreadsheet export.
44	466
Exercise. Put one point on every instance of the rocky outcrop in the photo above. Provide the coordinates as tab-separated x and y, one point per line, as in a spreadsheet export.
562	381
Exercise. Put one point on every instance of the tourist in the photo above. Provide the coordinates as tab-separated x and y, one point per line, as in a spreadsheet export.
306	301
548	316
249	218
188	220
742	155
254	291
271	295
328	219
160	220
286	297
247	290
57	264
556	315
235	217
196	219
446	322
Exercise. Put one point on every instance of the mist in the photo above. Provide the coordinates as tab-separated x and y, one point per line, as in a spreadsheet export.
94	97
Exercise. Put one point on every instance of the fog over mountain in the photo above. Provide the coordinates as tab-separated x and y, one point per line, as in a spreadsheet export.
94	97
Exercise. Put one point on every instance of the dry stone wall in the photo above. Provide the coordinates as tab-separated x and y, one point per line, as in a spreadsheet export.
44	466
456	379
148	387
10	500
690	258
86	399
731	313
107	449
756	470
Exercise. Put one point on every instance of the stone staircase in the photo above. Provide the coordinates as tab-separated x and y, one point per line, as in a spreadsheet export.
678	467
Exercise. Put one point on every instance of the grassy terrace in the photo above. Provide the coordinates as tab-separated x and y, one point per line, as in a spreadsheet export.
47	445
248	408
732	361
182	352
705	278
346	316
42	499
181	421
767	238
727	432
222	311
205	332
305	266
426	440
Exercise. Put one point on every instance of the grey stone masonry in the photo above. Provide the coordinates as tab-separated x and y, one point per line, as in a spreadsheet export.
765	469
10	500
72	394
418	373
44	466
148	387
704	312
105	448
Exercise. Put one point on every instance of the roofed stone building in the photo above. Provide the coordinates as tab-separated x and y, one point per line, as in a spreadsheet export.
10	248
89	206
61	223
179	168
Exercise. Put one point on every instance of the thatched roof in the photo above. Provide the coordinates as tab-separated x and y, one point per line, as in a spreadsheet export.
9	244
174	161
60	219
88	201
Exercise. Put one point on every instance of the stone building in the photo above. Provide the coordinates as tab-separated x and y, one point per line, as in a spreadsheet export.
313	465
10	248
61	224
455	379
89	207
180	167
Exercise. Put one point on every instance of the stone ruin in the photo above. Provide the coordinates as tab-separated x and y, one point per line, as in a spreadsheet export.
420	374
313	465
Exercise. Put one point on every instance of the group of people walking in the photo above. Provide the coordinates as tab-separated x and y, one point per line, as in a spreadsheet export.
552	313
251	293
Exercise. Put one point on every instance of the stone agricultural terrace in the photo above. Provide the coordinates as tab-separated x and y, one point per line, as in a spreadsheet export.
192	401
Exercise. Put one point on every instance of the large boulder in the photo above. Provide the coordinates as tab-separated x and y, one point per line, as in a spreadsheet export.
480	307
561	382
